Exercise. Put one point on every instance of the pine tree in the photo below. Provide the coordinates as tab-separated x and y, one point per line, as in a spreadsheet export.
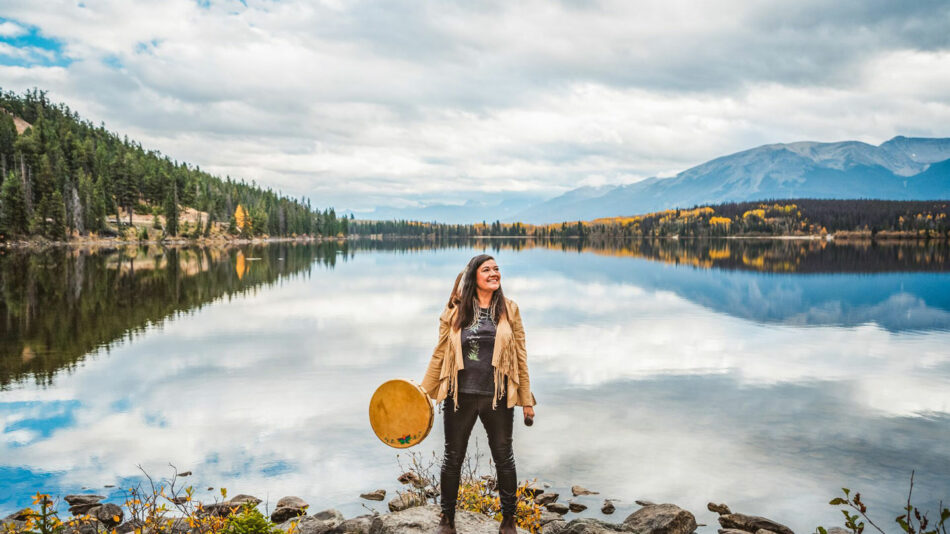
171	211
12	208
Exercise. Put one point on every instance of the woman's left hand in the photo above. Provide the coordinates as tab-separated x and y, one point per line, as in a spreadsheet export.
529	411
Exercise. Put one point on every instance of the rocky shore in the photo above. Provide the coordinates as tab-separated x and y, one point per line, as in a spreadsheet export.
410	515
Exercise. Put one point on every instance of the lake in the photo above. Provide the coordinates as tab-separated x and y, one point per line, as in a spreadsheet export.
763	374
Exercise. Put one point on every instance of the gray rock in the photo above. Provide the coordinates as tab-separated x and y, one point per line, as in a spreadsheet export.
84	509
185	474
283	513
608	508
331	514
588	525
752	523
220	509
377	495
21	515
581	490
404	501
128	526
720	509
554	527
178	526
242	499
14	525
548	516
558	508
327	522
546	498
763	531
80	527
288	507
425	520
75	499
731	531
534	489
292	502
661	519
644	502
356	525
575	506
110	515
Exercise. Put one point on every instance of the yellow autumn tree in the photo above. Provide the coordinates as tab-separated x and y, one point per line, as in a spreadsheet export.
240	216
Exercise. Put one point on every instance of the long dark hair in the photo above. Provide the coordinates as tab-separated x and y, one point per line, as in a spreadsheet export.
464	294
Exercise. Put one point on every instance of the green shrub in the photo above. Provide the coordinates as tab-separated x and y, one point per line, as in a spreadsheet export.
250	521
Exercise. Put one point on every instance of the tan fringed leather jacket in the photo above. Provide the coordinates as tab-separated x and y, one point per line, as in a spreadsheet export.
510	359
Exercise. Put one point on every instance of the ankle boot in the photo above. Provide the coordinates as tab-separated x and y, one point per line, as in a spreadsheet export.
446	525
508	525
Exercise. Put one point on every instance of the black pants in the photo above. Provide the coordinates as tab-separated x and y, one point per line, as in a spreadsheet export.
458	427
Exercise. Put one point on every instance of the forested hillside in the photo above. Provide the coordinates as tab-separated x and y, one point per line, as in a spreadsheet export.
894	219
62	176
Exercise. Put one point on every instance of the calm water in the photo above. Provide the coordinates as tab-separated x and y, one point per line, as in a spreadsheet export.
762	374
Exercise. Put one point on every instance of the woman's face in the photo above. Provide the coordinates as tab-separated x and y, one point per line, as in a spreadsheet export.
488	277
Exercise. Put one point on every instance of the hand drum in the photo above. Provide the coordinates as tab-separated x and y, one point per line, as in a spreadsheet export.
400	413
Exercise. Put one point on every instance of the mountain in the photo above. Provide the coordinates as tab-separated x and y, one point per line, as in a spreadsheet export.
472	211
902	168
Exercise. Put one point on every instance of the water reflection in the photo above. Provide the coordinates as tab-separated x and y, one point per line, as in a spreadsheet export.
748	254
691	398
60	304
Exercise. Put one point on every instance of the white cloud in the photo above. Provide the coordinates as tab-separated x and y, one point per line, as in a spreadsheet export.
356	103
11	29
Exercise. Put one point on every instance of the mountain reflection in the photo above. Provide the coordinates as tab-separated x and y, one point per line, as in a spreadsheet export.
762	255
60	304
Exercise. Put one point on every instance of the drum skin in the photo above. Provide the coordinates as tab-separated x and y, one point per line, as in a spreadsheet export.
400	413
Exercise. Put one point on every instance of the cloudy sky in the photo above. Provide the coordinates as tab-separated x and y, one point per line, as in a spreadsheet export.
363	104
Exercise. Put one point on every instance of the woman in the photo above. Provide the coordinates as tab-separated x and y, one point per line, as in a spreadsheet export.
479	369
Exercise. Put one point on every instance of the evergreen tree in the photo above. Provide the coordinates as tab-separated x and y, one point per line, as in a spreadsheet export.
12	208
171	211
7	143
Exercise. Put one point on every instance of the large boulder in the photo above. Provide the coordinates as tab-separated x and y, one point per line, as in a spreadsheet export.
425	520
720	509
75	499
660	519
588	525
557	508
356	525
546	498
548	516
288	507
84	509
752	523
21	515
319	523
242	499
110	515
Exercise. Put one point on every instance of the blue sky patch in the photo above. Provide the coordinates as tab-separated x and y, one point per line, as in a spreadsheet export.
23	45
55	415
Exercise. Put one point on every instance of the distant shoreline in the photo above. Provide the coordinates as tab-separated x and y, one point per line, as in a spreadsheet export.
25	244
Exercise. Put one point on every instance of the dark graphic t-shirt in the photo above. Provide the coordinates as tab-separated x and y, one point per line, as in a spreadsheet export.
478	343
